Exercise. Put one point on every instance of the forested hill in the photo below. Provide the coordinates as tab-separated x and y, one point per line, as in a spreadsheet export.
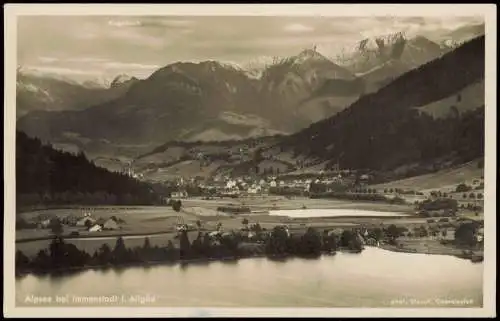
45	175
385	129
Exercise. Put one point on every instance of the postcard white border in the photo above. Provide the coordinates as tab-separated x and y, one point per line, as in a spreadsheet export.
11	11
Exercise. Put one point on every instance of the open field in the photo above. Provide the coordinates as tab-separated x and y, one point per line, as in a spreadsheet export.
159	223
150	220
266	203
426	247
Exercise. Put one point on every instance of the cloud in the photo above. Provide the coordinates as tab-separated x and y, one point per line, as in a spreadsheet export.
124	66
164	24
134	37
297	27
138	44
63	70
85	59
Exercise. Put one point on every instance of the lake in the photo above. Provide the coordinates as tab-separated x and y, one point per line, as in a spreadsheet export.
374	278
299	213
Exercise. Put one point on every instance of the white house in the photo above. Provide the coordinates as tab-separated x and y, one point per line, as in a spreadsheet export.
95	228
287	231
449	234
254	190
273	183
214	233
179	194
231	184
364	177
45	223
480	234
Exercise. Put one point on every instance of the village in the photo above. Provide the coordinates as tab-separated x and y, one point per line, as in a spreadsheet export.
224	204
467	194
74	223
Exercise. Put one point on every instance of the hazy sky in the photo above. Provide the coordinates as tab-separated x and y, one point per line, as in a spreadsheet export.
99	46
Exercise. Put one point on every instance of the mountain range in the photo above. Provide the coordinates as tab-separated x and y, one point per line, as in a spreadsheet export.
395	126
429	118
209	100
311	100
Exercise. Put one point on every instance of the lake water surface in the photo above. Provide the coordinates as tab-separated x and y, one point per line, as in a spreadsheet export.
299	213
374	278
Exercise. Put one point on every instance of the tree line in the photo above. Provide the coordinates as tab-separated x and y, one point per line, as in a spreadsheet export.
61	255
45	175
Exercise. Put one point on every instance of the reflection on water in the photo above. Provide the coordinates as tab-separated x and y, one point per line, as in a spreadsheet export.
374	278
298	213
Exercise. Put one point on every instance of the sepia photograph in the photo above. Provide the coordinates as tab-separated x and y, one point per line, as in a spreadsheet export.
209	160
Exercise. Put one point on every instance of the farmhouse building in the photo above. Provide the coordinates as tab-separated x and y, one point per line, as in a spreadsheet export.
179	194
95	228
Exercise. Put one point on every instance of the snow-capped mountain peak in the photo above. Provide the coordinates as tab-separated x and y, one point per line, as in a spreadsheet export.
308	54
230	65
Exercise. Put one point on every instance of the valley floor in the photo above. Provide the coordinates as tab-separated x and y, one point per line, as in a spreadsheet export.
159	223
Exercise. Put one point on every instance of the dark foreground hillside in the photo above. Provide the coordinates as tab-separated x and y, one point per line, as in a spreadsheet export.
48	176
384	130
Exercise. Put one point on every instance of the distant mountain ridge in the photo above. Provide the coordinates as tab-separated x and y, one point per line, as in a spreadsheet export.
192	101
179	98
38	92
393	131
429	118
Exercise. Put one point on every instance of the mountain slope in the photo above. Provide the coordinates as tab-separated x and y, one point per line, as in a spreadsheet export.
215	101
156	109
46	93
192	101
286	84
454	38
373	53
384	130
45	175
375	64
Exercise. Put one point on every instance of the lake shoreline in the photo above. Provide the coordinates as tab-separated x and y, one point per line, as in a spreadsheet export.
329	281
421	248
445	251
180	262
